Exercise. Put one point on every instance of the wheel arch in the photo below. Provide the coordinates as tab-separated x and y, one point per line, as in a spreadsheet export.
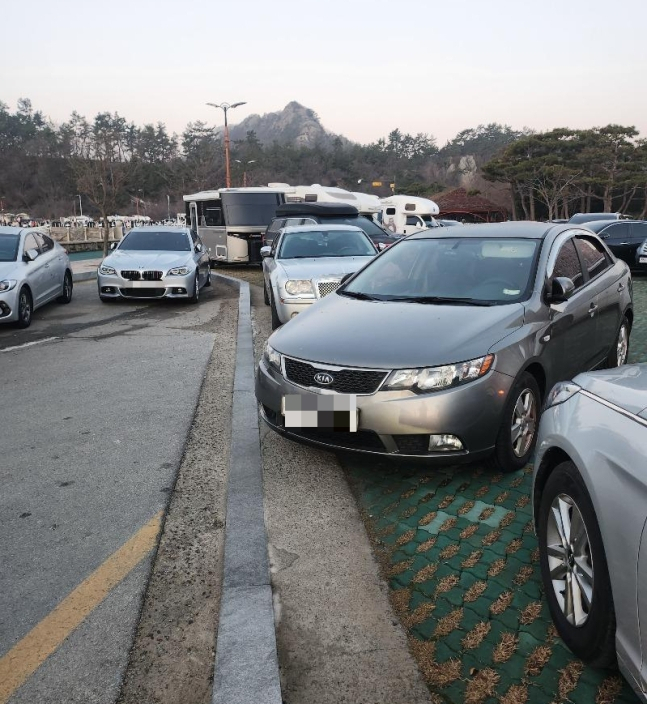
536	370
554	457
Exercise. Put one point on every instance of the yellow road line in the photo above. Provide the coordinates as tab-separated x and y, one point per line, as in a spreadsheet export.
30	652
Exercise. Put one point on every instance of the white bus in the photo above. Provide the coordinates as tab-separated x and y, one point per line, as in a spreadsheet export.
231	221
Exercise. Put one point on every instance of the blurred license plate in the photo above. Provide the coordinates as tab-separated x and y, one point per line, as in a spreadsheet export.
325	411
642	260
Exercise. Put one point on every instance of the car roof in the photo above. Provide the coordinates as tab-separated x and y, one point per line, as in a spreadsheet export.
321	228
330	209
590	217
599	225
517	229
13	230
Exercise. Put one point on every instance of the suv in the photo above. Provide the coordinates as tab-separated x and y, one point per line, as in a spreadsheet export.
623	238
291	214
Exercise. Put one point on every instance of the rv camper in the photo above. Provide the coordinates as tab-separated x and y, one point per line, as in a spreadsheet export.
403	215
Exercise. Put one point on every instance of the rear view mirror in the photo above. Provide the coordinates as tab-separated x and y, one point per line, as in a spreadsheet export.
30	255
266	251
561	289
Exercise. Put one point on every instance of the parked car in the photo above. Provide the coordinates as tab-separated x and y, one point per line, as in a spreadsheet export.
580	218
308	262
155	262
590	509
641	257
623	238
448	223
34	270
446	345
296	214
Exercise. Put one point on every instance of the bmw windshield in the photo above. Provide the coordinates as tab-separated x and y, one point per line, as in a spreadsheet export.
8	247
156	241
450	270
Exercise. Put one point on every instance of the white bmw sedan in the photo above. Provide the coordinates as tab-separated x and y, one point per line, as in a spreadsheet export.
34	270
155	262
307	262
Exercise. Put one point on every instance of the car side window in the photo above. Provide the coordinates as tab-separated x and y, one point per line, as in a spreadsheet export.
593	255
31	243
47	243
275	243
616	232
639	231
568	264
276	225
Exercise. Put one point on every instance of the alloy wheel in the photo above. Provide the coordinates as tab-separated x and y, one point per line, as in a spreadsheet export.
569	559
24	307
524	422
622	346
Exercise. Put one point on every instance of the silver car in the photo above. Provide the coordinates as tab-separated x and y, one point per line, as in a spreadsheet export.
445	344
307	262
590	507
155	262
34	269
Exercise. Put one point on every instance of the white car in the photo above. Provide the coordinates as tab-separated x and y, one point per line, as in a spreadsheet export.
307	262
34	270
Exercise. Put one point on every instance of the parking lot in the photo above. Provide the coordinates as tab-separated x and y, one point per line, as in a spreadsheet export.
458	550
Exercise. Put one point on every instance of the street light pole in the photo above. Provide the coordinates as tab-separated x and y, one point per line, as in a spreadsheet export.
80	205
225	107
168	207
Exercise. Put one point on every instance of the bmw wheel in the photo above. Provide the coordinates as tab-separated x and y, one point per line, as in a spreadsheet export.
208	281
196	290
25	308
574	568
518	433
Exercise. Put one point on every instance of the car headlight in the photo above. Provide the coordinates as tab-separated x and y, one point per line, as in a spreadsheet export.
107	270
179	271
297	287
7	284
438	378
272	357
561	392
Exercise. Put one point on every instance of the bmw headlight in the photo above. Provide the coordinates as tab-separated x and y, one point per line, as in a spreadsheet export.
299	287
179	271
272	357
7	284
561	392
107	270
438	378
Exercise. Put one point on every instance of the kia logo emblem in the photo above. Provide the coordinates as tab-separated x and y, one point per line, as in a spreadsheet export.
323	378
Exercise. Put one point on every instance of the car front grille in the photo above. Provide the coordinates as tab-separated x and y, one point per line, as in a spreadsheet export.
326	287
131	275
345	381
412	444
142	292
152	275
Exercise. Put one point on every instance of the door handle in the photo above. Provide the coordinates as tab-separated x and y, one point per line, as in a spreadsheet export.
624	244
621	287
592	308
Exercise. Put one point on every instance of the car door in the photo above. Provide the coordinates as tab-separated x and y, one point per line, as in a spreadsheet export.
569	335
269	263
606	281
54	259
38	270
617	238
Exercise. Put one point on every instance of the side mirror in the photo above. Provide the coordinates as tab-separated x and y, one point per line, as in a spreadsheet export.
266	251
30	255
198	247
113	245
345	278
561	289
382	245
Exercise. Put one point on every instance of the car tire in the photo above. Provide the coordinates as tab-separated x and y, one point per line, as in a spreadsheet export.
195	297
520	415
68	287
25	308
620	351
208	281
590	631
266	298
276	321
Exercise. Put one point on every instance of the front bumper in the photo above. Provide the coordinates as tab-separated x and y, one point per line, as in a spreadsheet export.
399	423
9	305
115	286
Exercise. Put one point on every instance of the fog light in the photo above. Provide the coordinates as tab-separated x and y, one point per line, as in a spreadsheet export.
107	289
444	443
179	291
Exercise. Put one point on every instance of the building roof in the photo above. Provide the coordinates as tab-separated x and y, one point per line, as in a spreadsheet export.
458	200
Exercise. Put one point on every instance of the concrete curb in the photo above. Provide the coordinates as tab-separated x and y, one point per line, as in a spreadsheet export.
246	669
83	276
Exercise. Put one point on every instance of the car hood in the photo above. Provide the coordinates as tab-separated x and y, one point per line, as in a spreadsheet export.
320	267
624	386
11	270
392	335
134	259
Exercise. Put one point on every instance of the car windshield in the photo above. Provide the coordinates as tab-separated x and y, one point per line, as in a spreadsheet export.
156	241
325	243
8	247
460	270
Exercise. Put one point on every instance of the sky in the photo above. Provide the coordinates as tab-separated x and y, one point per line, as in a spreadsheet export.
365	67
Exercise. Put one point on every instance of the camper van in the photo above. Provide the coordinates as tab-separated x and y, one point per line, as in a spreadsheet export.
403	215
231	221
367	204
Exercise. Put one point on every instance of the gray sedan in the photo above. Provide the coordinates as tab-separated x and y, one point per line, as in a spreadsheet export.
155	262
307	262
34	269
590	504
443	347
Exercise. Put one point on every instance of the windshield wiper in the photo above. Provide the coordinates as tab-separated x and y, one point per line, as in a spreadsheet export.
359	295
441	299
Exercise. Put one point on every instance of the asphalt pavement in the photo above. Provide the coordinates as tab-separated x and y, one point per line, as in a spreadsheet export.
97	402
